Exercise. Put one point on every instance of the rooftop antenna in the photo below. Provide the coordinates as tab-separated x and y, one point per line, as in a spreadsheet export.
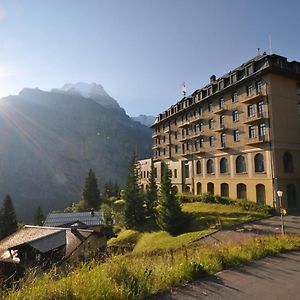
258	51
270	44
183	88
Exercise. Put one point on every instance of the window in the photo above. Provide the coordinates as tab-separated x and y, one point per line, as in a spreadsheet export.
155	172
260	108
252	132
251	110
210	123
259	86
211	188
249	90
198	167
241	191
211	141
223	165
210	166
249	70
222	138
201	126
222	121
175	173
240	164
235	115
298	88
209	106
236	135
164	150
288	162
176	149
221	103
201	142
175	135
259	163
262	130
234	97
186	169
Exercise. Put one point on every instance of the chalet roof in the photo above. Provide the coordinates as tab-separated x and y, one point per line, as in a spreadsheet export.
44	239
88	218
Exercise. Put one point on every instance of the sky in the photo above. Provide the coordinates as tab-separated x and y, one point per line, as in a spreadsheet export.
141	51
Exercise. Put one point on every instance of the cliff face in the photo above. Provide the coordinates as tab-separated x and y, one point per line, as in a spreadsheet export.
49	140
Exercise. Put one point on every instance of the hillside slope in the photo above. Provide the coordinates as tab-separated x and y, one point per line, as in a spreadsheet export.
49	140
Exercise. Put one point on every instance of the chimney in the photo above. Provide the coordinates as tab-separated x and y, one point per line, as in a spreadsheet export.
74	228
212	78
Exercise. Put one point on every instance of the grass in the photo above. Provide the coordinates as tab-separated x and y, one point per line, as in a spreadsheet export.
204	218
140	275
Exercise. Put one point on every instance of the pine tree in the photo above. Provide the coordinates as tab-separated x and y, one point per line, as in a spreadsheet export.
8	218
39	217
108	189
170	217
116	191
134	210
91	194
151	195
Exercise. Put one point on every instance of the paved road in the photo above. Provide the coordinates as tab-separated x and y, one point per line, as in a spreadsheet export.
270	278
245	231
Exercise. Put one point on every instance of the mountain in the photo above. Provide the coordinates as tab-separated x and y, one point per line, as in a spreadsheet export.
145	120
49	140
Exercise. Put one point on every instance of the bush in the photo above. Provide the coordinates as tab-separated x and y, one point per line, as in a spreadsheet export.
210	198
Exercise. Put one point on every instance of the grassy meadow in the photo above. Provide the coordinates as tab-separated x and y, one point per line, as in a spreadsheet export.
203	218
140	275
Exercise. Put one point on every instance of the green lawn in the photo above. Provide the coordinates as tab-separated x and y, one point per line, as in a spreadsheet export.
204	218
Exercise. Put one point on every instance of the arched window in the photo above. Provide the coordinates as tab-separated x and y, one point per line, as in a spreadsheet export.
224	190
288	162
259	163
241	191
199	188
260	193
291	195
198	167
211	188
209	166
223	165
240	164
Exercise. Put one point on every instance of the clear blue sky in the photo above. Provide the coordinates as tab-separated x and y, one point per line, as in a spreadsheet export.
139	50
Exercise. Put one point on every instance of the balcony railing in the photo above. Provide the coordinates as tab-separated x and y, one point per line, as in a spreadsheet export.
254	97
258	140
257	117
222	127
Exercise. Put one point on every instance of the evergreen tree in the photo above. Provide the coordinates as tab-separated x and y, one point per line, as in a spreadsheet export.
8	218
116	191
91	194
170	217
134	210
151	196
39	217
108	189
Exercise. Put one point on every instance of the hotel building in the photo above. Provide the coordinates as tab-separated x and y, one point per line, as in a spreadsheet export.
239	136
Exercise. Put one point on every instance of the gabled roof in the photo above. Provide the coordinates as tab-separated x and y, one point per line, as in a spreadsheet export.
95	218
44	239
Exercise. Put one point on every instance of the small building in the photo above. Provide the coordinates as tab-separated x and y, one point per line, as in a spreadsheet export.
39	246
93	220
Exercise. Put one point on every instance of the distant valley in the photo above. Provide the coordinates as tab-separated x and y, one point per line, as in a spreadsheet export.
49	140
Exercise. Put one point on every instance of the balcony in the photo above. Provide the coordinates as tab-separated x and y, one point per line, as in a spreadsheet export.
221	110
221	128
258	140
222	146
185	138
253	98
156	147
198	151
190	121
198	134
156	134
256	118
